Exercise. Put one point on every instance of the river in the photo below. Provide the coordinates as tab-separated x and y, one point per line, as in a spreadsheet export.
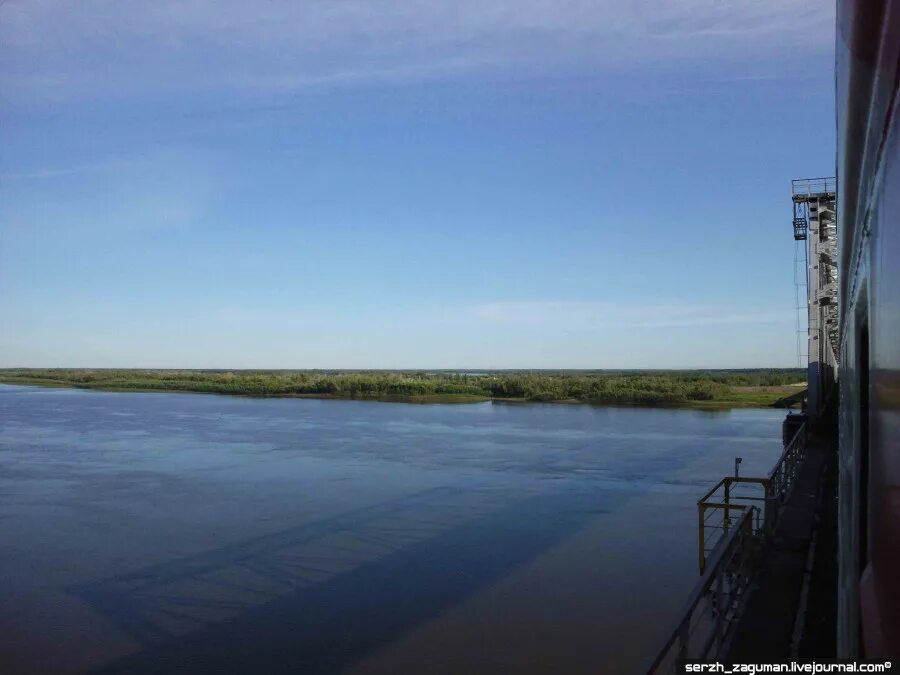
156	532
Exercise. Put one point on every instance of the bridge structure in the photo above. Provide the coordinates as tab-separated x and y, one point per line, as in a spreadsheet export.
815	229
738	517
755	570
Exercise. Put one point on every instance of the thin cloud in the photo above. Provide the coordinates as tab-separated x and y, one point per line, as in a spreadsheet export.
589	315
101	49
58	172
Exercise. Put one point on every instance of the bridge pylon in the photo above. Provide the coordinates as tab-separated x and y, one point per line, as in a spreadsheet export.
815	225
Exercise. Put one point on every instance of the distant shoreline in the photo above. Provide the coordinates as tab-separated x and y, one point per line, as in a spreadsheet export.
698	390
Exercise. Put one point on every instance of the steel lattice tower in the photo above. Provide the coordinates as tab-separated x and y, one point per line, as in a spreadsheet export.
814	224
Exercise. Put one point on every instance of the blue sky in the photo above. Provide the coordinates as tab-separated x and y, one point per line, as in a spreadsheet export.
386	184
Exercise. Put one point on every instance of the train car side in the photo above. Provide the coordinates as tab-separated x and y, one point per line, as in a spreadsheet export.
868	169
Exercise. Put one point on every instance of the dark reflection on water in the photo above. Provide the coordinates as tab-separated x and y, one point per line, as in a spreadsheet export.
190	533
324	610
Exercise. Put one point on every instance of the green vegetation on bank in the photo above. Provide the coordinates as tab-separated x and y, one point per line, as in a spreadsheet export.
698	388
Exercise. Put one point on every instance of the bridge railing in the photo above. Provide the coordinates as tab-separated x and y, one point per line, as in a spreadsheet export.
716	601
717	509
813	186
784	474
732	532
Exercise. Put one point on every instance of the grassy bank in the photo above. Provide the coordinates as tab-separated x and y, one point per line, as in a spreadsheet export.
700	388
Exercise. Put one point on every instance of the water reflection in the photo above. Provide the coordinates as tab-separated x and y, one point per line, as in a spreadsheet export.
317	598
190	533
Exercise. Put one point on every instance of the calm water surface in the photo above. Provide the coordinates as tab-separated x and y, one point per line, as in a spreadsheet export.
167	533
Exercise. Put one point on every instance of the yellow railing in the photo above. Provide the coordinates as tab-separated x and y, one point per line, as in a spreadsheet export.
716	601
716	509
732	530
719	507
